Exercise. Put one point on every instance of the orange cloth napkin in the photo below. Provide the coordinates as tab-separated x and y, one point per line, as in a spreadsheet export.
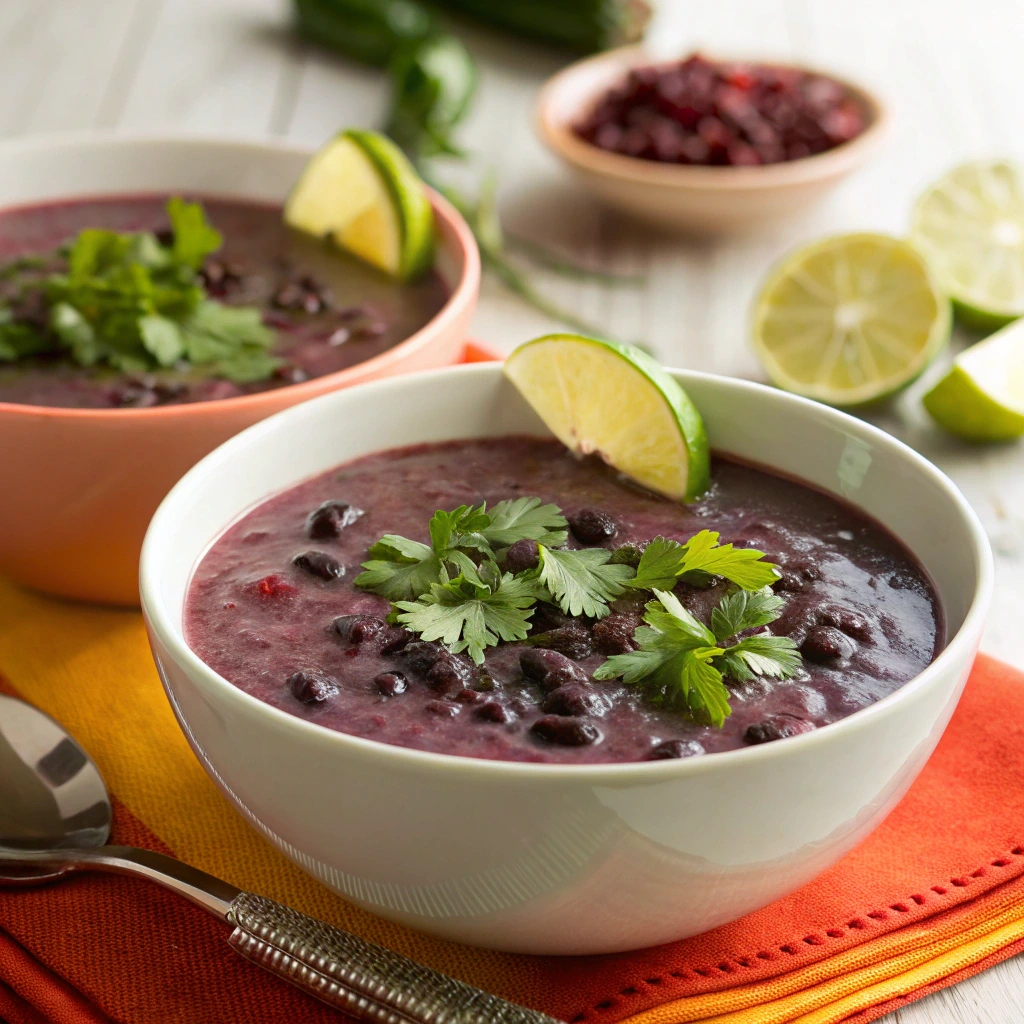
936	894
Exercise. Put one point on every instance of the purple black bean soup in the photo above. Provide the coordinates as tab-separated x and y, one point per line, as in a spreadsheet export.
140	301
503	598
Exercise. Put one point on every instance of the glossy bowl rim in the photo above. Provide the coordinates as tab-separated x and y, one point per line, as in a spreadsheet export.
556	133
171	634
463	291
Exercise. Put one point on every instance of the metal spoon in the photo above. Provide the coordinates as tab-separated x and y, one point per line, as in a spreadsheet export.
55	819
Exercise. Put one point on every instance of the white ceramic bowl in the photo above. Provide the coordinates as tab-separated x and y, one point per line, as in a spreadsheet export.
555	858
690	199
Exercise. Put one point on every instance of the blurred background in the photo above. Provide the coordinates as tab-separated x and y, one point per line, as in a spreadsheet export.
948	70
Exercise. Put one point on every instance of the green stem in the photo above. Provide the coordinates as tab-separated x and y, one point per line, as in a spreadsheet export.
543	256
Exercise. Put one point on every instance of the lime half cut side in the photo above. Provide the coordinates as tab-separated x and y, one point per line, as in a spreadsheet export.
362	193
850	320
970	226
615	401
982	397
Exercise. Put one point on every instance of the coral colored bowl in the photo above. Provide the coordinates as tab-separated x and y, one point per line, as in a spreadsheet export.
79	485
692	200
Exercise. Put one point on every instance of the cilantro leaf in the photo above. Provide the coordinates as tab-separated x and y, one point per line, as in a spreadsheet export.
683	664
472	614
525	519
705	557
701	557
75	332
693	681
686	679
94	252
194	237
162	339
761	655
659	565
18	340
582	582
246	367
745	609
459	528
400	569
668	617
398	580
403	569
400	549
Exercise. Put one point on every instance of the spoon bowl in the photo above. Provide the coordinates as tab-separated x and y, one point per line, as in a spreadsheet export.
52	795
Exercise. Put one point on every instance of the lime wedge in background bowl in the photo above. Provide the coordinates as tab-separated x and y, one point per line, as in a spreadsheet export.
615	401
982	397
361	192
970	227
850	320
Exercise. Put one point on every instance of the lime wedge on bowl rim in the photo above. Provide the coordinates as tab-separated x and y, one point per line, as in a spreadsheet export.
850	320
982	397
615	401
970	226
361	192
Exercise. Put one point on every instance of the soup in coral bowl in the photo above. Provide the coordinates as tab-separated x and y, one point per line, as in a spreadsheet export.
518	796
88	449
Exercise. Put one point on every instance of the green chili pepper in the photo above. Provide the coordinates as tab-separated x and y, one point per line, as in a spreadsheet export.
370	31
581	25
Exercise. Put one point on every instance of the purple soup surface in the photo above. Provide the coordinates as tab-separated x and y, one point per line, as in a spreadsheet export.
366	315
862	608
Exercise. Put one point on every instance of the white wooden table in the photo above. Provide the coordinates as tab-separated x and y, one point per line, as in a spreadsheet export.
950	68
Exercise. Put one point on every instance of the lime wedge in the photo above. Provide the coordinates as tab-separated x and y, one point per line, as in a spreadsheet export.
850	319
615	401
982	397
970	226
361	192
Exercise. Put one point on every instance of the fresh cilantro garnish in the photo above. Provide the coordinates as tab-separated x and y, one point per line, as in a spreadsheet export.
128	301
582	582
454	590
403	569
683	663
525	519
744	609
400	568
473	611
659	565
17	339
193	237
665	562
460	529
761	655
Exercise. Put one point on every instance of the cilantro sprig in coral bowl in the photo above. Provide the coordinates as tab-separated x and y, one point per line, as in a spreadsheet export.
134	302
486	571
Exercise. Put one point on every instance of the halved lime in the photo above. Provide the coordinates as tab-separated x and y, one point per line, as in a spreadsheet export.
970	226
361	192
850	319
615	401
982	397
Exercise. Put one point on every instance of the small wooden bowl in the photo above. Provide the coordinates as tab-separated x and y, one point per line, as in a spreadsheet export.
688	198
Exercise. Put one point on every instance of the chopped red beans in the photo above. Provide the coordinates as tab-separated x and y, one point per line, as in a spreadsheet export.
697	111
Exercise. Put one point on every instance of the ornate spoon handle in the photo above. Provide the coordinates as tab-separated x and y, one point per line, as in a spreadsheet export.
359	977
